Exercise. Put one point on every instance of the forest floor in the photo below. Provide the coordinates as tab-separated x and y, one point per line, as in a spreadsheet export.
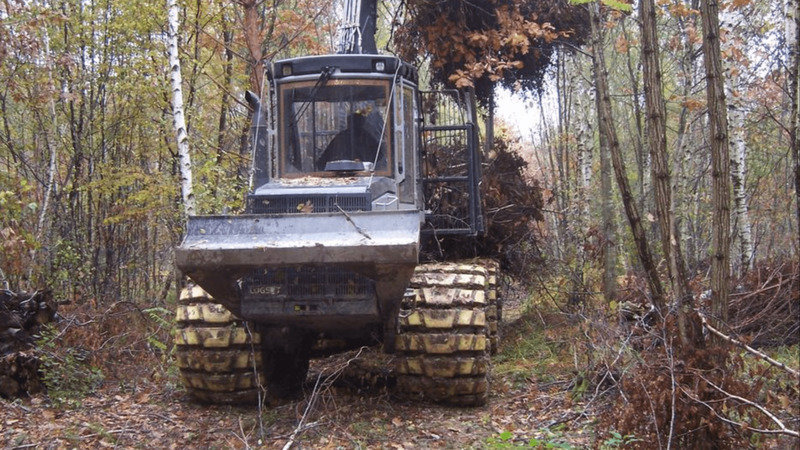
530	403
540	397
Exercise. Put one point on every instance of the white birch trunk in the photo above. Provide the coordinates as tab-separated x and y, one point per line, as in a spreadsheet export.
737	105
740	201
178	120
584	142
584	157
51	136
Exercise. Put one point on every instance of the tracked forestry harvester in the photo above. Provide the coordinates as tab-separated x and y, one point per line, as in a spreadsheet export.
353	166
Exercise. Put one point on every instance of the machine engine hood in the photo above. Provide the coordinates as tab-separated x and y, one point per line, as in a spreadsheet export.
376	186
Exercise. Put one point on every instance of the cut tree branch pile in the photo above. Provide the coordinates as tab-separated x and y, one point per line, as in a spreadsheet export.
22	316
512	202
765	305
747	347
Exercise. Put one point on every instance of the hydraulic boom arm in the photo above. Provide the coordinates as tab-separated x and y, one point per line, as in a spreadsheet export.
358	30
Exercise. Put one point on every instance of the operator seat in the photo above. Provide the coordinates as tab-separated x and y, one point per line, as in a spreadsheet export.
357	142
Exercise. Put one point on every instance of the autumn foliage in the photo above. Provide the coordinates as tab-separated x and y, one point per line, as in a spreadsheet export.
484	42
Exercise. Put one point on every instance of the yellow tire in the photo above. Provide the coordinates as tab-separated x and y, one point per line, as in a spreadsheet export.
218	355
442	341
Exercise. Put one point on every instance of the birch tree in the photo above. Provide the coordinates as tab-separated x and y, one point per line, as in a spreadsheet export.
744	229
51	135
178	119
737	108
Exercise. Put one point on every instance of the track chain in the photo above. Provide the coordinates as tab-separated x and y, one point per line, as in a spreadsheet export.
206	313
444	318
494	314
215	352
458	274
443	367
443	337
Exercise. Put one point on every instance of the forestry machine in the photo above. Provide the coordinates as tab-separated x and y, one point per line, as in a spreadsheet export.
353	167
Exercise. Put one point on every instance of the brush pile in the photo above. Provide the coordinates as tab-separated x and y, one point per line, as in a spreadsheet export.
765	305
22	316
512	203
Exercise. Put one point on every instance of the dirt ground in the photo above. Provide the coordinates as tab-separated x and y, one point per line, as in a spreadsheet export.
341	412
152	416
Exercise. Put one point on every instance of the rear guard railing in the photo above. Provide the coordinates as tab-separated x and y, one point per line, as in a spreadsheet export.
450	165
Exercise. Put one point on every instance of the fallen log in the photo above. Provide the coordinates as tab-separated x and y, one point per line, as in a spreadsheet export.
22	316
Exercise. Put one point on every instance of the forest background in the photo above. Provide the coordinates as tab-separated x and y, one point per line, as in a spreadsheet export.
90	176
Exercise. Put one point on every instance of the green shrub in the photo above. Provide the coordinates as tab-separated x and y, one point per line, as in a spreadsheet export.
66	372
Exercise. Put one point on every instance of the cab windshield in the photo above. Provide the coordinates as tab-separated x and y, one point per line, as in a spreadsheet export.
334	121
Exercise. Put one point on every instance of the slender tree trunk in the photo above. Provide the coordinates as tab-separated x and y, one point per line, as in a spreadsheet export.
607	128
178	120
50	137
637	114
195	66
51	134
736	103
609	225
568	133
688	322
683	194
552	180
490	124
793	39
252	37
580	209
562	198
744	230
222	124
253	26
584	156
720	164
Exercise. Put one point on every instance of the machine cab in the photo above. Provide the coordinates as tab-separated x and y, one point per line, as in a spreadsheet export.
343	132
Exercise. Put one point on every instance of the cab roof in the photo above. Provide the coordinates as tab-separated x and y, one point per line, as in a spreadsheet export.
351	64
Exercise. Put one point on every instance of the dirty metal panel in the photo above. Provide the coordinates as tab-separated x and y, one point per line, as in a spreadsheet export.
250	241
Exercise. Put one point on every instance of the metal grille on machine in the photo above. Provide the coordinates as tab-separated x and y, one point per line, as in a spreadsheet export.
284	204
451	166
307	283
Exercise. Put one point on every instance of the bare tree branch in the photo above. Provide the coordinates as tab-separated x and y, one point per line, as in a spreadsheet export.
747	347
757	406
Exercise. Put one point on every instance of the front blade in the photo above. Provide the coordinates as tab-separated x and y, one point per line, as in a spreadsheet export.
218	250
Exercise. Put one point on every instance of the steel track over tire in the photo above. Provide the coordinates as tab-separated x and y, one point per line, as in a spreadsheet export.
218	357
490	268
442	343
495	310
